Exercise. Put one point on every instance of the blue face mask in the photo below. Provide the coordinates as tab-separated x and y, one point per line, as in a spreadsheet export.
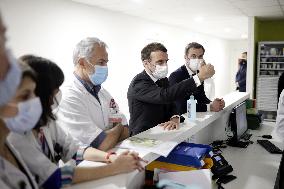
100	75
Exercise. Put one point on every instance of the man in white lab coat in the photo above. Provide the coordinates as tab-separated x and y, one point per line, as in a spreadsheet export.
87	111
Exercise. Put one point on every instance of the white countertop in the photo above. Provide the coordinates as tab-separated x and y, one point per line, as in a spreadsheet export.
187	129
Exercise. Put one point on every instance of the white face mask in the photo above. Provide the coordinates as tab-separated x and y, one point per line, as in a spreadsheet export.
9	85
194	64
29	113
160	72
56	100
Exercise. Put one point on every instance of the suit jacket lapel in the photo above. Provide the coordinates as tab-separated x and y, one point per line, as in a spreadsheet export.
185	72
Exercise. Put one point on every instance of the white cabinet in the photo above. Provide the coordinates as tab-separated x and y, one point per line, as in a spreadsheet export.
270	65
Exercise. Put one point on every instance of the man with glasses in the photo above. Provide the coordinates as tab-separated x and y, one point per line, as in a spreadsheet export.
87	111
151	99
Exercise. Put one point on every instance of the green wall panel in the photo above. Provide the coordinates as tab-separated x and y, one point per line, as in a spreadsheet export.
266	30
270	30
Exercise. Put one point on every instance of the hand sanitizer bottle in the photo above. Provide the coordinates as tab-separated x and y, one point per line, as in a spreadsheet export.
191	108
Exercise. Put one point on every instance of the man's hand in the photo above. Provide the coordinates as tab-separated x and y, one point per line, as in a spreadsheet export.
206	71
202	63
237	84
222	103
217	105
171	125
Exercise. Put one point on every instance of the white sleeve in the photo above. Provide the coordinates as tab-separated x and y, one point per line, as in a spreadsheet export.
124	120
280	117
196	80
209	88
208	107
73	117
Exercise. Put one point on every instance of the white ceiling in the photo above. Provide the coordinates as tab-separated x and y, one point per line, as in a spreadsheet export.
226	19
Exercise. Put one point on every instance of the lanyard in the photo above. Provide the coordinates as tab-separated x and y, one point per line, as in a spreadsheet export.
43	143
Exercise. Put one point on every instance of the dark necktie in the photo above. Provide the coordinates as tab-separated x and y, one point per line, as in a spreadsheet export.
195	73
164	82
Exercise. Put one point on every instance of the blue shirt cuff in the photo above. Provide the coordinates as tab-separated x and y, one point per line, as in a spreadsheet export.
98	140
53	181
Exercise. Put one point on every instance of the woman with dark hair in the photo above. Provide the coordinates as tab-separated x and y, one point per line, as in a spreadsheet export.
49	143
50	78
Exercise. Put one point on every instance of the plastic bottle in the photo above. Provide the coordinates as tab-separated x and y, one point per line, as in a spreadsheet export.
191	108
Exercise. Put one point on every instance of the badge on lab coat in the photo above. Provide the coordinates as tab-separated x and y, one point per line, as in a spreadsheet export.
115	117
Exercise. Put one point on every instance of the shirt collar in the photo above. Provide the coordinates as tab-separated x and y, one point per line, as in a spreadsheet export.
150	75
188	70
89	86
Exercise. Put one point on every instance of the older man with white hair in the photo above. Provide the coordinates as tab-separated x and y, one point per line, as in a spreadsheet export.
87	111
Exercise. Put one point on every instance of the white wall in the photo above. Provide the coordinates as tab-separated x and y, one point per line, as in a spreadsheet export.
250	67
51	28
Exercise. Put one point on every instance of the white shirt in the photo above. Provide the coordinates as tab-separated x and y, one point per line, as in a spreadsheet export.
152	77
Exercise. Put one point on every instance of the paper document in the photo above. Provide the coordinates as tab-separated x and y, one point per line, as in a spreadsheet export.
144	142
200	179
159	147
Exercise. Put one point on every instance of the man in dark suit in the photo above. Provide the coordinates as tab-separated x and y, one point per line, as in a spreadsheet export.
151	99
241	76
193	61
